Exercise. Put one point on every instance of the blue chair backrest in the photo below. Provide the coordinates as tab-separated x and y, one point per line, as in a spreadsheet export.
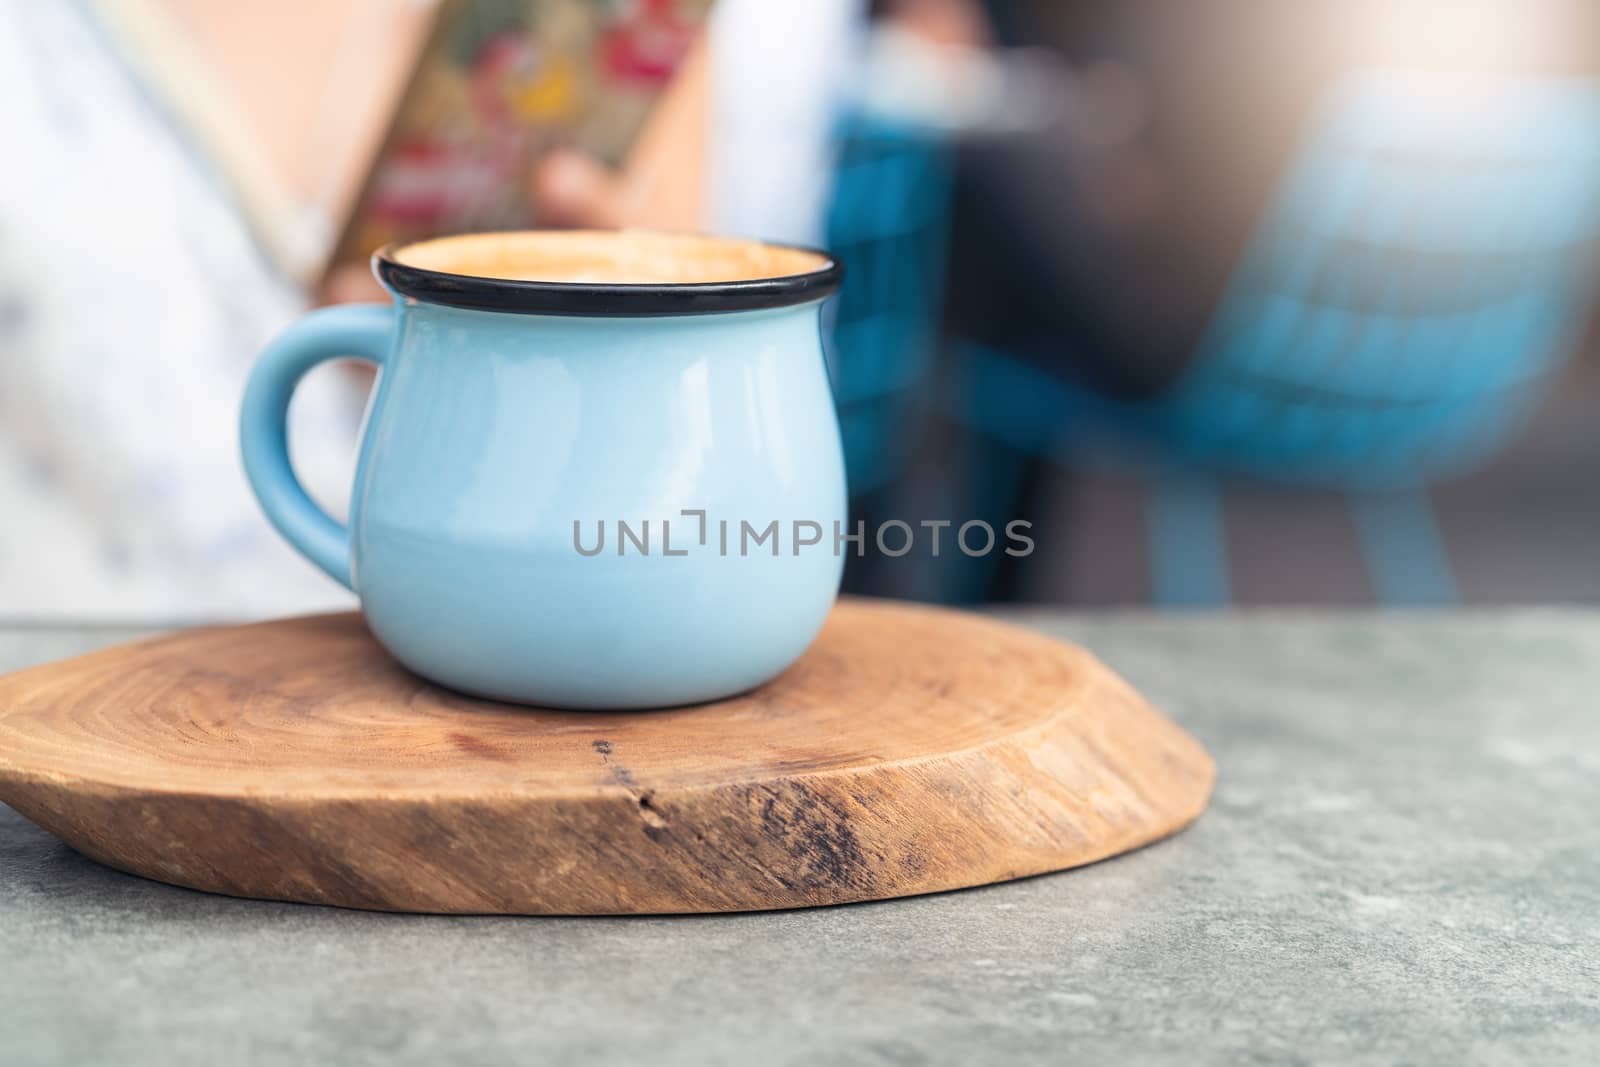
888	222
1423	267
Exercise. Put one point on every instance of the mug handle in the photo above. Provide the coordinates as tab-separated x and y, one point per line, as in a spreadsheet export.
360	331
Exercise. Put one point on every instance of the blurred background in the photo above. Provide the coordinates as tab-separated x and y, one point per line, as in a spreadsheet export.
1236	301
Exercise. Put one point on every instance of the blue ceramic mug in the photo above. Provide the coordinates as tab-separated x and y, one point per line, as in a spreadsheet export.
599	470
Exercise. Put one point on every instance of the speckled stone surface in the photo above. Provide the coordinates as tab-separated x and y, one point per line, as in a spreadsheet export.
1401	865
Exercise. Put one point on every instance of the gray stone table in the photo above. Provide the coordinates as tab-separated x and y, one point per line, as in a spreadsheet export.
1401	865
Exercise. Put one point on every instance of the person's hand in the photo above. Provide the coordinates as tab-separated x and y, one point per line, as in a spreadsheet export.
662	184
570	190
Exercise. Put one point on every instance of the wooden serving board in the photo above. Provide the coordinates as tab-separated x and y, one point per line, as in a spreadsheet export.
911	750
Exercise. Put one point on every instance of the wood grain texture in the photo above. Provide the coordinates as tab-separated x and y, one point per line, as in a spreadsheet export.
911	750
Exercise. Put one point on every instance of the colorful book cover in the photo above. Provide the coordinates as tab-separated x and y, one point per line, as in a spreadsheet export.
498	83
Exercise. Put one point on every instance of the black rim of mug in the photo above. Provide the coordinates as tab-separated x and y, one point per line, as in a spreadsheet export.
606	299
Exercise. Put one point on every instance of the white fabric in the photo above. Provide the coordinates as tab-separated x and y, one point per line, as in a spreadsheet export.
132	305
779	71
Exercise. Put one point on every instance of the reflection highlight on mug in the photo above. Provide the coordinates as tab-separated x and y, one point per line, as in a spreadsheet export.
741	537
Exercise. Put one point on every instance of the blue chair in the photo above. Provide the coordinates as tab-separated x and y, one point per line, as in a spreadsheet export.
1420	274
889	223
